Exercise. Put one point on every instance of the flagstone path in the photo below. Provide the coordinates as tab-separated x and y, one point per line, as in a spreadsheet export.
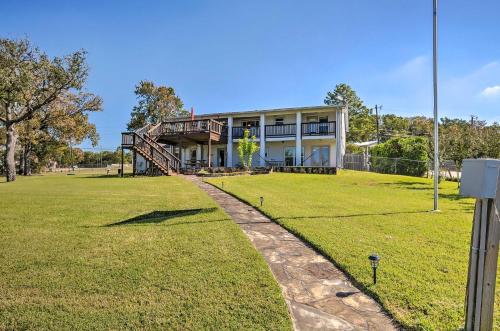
318	295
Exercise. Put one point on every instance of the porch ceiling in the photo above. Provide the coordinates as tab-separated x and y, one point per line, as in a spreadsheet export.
191	138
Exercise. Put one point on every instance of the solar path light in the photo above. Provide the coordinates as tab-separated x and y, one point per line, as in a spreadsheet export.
261	201
374	259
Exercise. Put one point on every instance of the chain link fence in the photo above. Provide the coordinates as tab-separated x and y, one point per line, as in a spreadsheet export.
400	166
387	165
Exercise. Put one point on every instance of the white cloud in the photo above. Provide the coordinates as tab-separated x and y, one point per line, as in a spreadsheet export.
491	91
414	69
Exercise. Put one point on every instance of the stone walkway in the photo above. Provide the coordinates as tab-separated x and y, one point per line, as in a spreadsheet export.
318	295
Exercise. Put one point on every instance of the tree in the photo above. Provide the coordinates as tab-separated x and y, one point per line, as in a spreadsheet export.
400	155
155	103
29	82
393	126
362	123
246	148
63	122
421	126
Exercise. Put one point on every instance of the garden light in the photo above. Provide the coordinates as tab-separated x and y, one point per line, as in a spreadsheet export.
261	201
374	258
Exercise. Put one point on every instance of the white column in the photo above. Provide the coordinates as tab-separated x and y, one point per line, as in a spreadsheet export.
339	138
183	157
198	152
262	151
230	141
298	139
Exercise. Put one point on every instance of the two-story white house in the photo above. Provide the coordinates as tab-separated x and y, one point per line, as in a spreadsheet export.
303	136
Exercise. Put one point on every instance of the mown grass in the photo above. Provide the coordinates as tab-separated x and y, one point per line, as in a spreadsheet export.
423	270
87	252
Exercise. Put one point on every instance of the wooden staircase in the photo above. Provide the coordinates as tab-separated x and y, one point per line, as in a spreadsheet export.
143	142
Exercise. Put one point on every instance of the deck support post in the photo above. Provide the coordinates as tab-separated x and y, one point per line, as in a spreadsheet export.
121	172
134	161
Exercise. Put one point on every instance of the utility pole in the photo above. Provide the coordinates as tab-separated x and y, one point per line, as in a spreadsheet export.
436	123
376	116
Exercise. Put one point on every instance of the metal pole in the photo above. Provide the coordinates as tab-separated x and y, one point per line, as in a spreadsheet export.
436	124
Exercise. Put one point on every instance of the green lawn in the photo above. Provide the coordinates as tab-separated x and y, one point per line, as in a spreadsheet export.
81	252
423	270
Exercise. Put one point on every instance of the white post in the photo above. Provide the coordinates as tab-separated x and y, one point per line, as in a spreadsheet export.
339	137
198	152
183	157
298	139
262	150
230	141
436	120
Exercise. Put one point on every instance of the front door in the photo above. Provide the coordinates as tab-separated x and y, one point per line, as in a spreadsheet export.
221	155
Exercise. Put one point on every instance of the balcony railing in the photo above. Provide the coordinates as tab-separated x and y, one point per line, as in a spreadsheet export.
282	130
318	129
185	127
288	130
238	131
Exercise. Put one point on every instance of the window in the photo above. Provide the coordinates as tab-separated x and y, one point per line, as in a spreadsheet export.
323	125
278	121
320	156
289	156
251	123
312	119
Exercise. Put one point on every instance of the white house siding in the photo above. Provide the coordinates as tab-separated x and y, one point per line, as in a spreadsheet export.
275	151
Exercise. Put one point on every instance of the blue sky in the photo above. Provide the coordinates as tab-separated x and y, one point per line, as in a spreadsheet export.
239	55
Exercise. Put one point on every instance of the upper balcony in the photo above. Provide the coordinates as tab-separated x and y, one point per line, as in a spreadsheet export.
239	130
319	129
288	130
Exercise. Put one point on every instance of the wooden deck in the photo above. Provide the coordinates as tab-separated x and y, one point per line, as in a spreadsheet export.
195	131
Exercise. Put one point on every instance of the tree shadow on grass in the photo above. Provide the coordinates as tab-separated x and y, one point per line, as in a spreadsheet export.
160	216
103	176
409	185
355	215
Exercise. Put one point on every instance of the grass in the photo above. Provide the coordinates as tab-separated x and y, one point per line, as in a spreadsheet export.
423	270
90	252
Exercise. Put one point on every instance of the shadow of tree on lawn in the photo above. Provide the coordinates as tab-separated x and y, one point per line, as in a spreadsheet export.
409	185
356	215
160	216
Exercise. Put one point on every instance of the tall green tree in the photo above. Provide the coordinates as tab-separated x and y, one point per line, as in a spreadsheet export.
29	82
155	103
362	122
394	126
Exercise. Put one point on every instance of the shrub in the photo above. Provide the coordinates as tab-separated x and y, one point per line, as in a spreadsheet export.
404	156
350	148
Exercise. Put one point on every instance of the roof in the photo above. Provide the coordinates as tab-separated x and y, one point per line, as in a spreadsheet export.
367	143
273	110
